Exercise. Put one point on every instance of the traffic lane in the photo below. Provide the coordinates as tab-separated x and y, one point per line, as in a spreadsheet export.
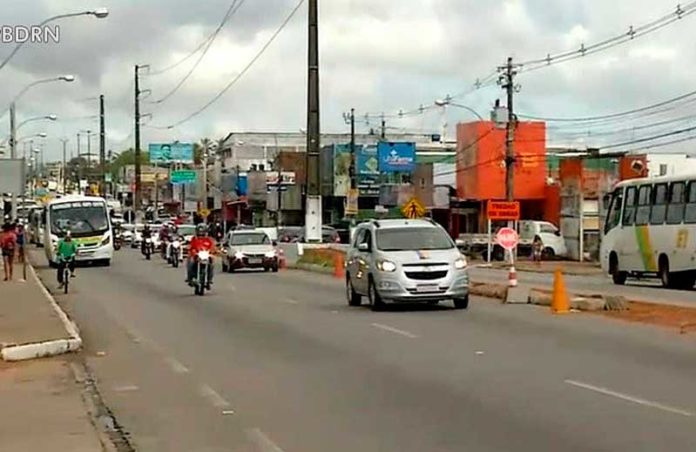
156	399
648	290
272	365
491	384
663	359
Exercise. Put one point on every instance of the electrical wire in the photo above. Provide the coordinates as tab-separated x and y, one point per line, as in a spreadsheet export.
236	4
200	46
240	75
632	33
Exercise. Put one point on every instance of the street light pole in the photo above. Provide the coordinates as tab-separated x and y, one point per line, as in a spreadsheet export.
64	168
102	148
13	152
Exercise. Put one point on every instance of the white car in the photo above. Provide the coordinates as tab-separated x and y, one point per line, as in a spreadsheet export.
553	244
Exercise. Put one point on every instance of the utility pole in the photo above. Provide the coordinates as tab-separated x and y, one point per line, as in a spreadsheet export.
509	86
89	154
279	212
79	163
65	166
204	204
313	214
13	152
384	128
102	148
138	185
353	175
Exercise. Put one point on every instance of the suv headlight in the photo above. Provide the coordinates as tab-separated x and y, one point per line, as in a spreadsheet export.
386	266
460	263
270	254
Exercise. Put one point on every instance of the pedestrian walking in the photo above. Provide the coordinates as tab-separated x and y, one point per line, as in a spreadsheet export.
8	245
537	248
20	232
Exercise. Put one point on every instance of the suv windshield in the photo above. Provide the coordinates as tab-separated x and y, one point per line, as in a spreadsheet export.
250	239
406	239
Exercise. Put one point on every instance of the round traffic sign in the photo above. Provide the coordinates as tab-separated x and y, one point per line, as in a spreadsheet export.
507	238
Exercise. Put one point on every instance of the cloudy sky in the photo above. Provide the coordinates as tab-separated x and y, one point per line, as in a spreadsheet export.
376	56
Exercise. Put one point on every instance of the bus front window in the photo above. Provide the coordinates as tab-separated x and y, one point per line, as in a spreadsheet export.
614	211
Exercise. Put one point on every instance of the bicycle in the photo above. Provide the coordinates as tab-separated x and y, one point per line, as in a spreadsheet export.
66	275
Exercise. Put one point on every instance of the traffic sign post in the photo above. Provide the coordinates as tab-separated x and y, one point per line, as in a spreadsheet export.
413	209
508	239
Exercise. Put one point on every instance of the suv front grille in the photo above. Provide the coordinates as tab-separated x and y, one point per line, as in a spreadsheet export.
426	276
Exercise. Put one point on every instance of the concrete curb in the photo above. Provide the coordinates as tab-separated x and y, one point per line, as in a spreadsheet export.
46	348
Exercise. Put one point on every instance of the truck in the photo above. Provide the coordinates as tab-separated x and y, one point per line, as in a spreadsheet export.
553	244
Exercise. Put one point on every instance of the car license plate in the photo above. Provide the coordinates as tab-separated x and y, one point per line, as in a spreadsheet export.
425	288
255	260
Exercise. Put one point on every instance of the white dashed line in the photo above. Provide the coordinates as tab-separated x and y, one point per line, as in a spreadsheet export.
125	388
176	366
289	301
213	397
263	442
394	330
629	398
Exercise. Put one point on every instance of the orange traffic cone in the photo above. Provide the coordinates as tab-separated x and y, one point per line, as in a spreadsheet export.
559	300
512	277
339	265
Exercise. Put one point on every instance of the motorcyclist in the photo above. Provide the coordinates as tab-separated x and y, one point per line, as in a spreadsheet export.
146	234
66	251
165	237
201	242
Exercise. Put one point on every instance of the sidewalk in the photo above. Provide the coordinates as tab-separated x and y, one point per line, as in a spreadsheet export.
42	407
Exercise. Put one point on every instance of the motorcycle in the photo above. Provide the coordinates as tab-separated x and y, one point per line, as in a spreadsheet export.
148	248
174	252
164	247
203	262
118	241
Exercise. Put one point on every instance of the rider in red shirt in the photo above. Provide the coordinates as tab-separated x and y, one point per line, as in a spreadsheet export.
201	242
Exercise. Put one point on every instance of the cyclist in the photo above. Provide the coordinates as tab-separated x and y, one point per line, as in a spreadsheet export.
66	251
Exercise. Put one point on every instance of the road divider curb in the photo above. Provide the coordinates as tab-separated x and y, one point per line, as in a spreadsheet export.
44	349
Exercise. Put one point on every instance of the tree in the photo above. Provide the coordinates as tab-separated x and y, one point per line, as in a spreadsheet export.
126	158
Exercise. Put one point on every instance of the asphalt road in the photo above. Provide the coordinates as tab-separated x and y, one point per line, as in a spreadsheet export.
279	362
649	290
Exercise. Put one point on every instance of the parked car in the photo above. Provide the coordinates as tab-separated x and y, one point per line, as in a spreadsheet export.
249	249
405	261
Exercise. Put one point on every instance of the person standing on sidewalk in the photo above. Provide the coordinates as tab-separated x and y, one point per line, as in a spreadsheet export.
8	245
66	251
20	233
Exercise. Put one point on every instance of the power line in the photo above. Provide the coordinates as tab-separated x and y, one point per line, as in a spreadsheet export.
632	33
240	75
211	37
612	115
236	4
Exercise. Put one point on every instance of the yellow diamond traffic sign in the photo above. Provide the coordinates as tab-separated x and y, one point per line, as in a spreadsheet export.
413	209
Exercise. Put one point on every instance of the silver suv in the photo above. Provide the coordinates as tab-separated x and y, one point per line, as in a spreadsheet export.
405	261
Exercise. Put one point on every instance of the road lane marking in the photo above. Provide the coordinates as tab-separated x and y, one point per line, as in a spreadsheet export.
125	388
629	398
213	397
264	443
394	330
227	412
289	301
176	366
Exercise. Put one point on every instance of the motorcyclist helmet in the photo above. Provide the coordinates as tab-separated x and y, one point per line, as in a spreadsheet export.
201	230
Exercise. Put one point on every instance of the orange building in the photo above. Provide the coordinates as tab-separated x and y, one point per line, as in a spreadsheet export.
481	161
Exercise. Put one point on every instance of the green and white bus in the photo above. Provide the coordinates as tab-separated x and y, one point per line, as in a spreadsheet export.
650	231
87	218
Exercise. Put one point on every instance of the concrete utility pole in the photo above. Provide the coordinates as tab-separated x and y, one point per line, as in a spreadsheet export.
509	85
313	214
89	154
102	148
279	212
353	175
138	184
204	204
79	162
65	166
13	151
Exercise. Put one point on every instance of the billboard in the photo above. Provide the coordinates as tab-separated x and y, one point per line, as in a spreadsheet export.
171	152
12	176
396	157
341	169
367	162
